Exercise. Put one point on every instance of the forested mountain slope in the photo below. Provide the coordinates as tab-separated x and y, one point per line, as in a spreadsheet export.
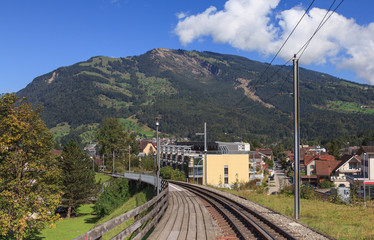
186	88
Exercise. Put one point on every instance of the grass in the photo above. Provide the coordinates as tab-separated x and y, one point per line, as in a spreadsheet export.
135	201
61	129
131	124
86	219
338	221
73	227
348	107
101	177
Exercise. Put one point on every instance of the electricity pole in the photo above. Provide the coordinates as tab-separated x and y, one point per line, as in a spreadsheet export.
297	136
129	158
205	151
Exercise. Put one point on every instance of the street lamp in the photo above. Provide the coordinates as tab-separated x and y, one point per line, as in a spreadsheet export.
158	158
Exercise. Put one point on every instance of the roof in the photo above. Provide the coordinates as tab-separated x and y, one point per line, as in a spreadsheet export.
326	157
366	149
346	158
325	168
144	143
266	151
308	159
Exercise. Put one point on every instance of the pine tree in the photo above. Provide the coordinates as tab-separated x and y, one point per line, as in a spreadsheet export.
78	177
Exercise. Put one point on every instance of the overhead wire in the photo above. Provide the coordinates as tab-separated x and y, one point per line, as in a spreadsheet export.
304	47
323	21
279	50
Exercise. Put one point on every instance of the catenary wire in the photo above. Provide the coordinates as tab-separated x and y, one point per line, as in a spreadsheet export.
303	48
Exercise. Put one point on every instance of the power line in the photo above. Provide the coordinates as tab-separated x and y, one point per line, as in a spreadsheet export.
280	49
284	43
303	48
323	21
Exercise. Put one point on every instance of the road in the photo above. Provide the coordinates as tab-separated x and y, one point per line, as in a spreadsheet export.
280	180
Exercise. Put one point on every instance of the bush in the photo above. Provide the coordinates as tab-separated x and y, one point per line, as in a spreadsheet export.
113	196
326	184
306	192
168	172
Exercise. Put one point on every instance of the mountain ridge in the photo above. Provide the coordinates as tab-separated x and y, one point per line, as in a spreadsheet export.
186	88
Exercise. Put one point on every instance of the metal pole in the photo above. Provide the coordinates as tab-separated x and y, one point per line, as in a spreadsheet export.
158	158
365	159
297	136
129	158
113	162
205	152
103	163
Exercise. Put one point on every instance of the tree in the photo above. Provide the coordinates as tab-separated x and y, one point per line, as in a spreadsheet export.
114	140
29	174
333	148
113	196
78	177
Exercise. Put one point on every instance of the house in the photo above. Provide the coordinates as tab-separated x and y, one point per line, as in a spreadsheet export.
365	179
266	151
324	169
351	165
317	167
90	150
147	147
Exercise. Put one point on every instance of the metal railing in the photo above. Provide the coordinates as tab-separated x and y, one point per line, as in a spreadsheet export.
152	211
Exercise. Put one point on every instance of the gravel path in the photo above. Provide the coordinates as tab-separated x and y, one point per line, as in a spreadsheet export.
302	231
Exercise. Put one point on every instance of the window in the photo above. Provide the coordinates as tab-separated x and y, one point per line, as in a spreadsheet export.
226	172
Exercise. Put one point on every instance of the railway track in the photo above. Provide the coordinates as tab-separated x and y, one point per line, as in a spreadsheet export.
236	220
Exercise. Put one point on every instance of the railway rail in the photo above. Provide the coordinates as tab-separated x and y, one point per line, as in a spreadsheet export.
236	220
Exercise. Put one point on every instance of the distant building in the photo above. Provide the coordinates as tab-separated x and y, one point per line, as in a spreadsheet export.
317	168
147	147
226	162
90	150
365	179
349	165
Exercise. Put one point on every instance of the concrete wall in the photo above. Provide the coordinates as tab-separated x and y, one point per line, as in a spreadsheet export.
237	164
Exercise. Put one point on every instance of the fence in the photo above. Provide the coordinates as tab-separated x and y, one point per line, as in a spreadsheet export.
146	216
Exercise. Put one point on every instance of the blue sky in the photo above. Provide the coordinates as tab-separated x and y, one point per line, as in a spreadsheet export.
39	36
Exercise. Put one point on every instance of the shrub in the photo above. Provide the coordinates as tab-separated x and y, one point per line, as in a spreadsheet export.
113	196
168	172
307	192
326	184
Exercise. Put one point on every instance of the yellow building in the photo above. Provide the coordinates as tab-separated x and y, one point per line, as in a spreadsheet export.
227	163
222	169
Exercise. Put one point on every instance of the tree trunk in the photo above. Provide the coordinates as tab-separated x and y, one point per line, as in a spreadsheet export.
69	212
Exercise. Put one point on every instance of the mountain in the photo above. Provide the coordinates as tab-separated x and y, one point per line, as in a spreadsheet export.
185	88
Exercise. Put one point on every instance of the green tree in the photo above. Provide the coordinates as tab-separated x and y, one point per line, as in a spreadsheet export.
148	163
168	172
333	148
78	177
114	141
113	196
29	174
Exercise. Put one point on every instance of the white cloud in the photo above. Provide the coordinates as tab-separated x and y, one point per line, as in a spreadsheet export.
181	15
247	25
